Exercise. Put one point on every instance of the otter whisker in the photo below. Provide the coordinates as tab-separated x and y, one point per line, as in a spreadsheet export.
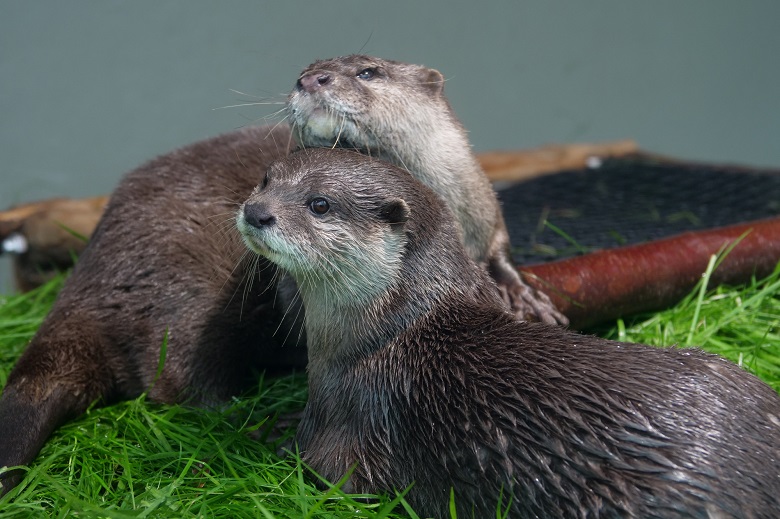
239	159
341	129
231	276
226	232
227	215
253	271
240	196
274	127
293	303
256	103
288	145
367	148
320	257
265	118
281	95
291	137
246	275
297	129
274	115
226	225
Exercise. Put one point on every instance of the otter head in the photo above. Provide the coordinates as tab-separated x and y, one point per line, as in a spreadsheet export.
367	103
321	216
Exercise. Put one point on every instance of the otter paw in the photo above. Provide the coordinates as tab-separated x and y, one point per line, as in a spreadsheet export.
529	304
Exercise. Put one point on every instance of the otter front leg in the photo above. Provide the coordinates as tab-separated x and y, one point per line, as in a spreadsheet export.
526	302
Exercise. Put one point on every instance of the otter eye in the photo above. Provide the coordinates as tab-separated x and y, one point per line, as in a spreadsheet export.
367	74
319	206
264	182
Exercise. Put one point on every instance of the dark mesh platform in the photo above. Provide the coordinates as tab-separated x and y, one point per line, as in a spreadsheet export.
631	200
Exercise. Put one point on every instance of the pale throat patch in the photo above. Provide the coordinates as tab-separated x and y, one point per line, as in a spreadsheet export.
324	125
360	272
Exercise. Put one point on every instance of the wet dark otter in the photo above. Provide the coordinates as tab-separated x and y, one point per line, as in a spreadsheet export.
419	376
165	258
398	112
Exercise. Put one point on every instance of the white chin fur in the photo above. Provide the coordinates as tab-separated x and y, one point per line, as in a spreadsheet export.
251	240
322	126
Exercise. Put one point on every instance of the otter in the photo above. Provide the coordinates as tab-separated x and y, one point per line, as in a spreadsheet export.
164	266
398	112
420	378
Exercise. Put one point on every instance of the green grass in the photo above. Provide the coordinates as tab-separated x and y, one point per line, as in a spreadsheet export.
739	323
138	459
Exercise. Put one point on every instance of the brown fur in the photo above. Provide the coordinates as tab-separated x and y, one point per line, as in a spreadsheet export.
427	381
164	259
398	112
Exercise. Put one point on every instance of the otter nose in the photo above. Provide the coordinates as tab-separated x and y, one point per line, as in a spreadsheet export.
312	82
257	215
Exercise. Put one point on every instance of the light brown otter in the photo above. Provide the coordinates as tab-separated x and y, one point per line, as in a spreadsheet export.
398	112
419	377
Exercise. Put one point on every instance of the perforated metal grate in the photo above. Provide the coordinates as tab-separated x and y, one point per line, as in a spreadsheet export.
628	201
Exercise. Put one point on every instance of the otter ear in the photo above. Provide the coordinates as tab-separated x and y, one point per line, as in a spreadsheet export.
394	211
432	80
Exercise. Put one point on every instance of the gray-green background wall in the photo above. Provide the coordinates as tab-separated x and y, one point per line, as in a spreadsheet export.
90	89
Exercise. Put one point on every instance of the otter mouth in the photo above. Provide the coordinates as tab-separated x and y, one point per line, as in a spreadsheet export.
255	244
252	238
260	245
326	129
324	123
262	248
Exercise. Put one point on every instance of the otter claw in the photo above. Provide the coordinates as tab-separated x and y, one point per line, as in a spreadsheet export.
529	304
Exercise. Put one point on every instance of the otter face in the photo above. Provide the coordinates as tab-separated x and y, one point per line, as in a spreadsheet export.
317	219
364	102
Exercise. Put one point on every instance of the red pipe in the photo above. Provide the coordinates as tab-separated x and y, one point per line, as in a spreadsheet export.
612	283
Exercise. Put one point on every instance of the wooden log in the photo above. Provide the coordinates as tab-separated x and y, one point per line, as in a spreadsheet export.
512	166
48	235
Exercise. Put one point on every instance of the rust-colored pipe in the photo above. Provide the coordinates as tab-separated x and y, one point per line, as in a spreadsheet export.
612	283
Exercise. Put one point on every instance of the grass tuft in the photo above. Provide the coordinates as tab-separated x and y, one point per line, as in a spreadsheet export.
139	459
740	323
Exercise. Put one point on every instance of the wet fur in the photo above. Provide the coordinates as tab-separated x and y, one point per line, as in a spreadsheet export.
400	114
429	382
